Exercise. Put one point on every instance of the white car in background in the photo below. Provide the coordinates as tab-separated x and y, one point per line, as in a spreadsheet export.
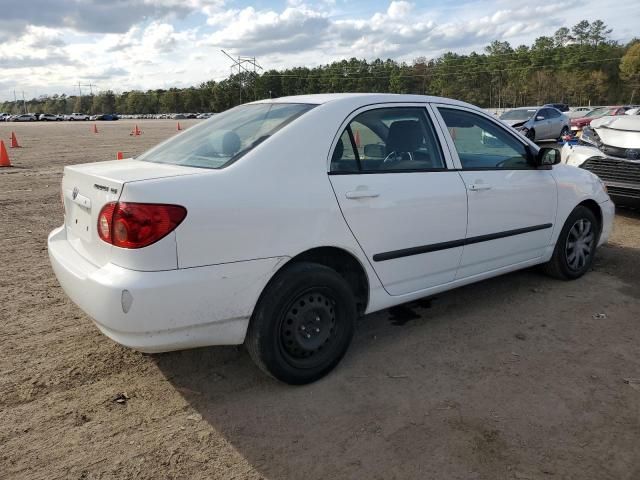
578	112
610	148
277	223
76	116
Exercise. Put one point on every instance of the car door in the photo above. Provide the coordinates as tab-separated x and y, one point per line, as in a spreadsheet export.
406	208
511	204
555	122
542	124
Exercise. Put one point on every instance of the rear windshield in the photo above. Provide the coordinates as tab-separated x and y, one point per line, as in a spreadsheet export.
219	141
518	114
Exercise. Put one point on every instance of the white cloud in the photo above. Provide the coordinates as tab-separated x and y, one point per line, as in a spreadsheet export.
49	45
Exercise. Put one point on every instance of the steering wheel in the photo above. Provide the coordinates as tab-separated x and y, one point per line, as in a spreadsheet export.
395	157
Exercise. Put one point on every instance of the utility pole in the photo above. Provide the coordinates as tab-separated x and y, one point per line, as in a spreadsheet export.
24	104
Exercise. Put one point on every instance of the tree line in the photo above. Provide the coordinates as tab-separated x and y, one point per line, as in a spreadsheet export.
579	66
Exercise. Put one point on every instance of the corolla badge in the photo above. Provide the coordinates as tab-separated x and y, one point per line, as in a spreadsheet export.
75	193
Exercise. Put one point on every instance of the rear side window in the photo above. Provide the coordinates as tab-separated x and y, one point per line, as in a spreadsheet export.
481	144
219	141
388	140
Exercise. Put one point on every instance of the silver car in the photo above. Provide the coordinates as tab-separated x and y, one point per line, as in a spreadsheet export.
538	123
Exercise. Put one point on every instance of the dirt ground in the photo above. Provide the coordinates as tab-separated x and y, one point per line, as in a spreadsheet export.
519	377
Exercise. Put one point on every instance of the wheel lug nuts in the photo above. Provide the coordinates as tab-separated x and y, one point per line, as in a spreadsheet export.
317	330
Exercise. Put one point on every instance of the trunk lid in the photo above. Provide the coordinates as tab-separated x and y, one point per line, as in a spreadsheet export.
88	187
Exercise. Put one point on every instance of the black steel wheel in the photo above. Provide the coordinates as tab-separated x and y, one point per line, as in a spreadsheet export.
303	323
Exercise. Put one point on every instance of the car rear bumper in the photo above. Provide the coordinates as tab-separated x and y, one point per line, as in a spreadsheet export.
164	310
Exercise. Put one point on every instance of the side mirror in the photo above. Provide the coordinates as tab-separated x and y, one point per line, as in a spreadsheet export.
539	118
547	157
373	150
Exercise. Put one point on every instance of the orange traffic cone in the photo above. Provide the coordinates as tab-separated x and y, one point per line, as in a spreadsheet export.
136	131
14	140
179	127
357	138
119	156
4	156
95	128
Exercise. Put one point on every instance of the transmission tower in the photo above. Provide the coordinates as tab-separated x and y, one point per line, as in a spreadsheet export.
243	64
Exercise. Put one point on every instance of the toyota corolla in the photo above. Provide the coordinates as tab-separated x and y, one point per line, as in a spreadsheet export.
277	223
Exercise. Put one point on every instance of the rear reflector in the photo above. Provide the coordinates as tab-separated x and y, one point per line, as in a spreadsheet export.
137	225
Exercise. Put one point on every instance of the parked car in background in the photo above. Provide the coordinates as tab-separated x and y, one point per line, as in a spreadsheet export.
633	111
76	116
204	115
610	148
198	241
4	117
106	117
561	107
49	117
24	117
537	123
577	124
577	112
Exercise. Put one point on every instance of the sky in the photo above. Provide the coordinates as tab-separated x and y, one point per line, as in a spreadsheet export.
49	46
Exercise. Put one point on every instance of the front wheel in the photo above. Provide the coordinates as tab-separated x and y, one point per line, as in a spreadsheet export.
531	134
576	245
303	323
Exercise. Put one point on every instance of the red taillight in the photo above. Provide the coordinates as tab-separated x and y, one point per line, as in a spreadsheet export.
137	225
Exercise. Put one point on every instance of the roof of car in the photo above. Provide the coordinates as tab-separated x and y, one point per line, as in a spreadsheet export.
366	98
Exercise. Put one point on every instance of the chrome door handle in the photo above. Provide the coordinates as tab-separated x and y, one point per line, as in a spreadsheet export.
361	194
479	186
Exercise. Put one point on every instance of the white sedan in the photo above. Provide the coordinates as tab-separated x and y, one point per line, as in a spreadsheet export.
277	223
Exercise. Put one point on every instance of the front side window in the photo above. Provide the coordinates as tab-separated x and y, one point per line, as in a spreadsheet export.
225	137
481	144
389	139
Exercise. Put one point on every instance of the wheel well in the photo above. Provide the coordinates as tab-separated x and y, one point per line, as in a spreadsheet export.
343	262
595	209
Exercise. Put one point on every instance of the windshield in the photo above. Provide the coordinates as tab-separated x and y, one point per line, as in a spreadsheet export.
598	112
518	114
227	136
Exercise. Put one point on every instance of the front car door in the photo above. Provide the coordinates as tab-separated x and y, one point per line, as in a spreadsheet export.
399	195
512	205
541	124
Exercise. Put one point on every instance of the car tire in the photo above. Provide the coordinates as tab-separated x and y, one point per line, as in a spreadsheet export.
303	323
576	246
531	134
564	132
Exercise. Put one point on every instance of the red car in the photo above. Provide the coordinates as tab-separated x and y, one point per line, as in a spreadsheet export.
577	124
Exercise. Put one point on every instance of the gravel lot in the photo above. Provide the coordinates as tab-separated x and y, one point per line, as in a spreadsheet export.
519	377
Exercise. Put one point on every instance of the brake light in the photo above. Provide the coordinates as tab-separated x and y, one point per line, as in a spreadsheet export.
137	225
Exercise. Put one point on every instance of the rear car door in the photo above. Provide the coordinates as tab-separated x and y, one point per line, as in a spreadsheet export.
405	207
512	205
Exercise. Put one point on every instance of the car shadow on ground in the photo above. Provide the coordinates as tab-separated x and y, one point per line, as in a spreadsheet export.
472	382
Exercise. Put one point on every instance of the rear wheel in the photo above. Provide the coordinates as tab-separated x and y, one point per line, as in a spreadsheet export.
303	323
576	245
564	132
